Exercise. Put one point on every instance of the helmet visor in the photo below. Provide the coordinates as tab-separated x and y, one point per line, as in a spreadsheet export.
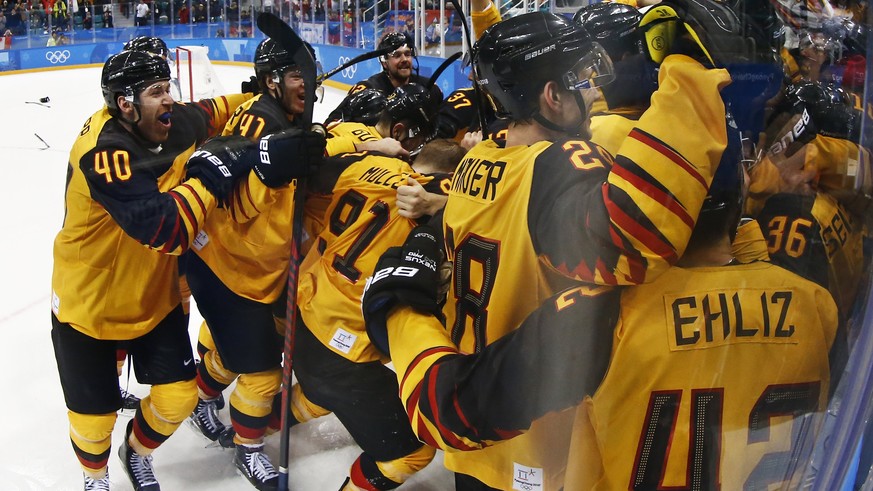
593	70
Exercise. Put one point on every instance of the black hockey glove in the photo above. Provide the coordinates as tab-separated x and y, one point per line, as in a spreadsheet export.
287	155
405	275
219	163
250	86
705	30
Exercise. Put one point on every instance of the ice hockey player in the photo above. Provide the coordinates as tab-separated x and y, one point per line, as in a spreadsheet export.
132	205
539	69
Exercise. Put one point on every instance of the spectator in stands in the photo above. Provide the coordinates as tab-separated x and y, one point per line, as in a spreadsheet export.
219	33
142	14
87	20
3	21
108	21
63	40
60	17
183	15
37	17
53	40
233	12
200	13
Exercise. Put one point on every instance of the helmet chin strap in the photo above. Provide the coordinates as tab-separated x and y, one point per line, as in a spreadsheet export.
567	130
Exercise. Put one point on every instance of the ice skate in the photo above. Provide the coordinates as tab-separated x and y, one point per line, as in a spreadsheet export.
256	467
139	469
205	419
101	484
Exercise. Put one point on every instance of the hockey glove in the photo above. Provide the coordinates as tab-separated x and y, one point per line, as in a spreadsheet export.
404	276
250	86
705	30
287	155
219	163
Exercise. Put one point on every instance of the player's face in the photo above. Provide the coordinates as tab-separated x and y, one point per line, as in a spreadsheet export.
156	110
573	116
399	63
294	91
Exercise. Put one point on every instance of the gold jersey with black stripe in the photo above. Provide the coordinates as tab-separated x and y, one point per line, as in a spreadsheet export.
802	230
710	376
362	221
248	247
127	212
521	222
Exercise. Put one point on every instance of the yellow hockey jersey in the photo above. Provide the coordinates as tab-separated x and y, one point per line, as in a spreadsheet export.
712	370
361	223
522	222
128	212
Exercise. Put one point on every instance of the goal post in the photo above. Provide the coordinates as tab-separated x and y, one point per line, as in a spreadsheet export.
195	74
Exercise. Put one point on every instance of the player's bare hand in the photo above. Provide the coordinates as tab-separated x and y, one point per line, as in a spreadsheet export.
388	146
413	201
471	139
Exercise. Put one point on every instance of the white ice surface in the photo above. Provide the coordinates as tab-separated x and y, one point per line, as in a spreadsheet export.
36	453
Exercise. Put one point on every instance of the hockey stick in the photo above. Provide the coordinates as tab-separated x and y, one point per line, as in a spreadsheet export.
276	29
478	90
47	146
354	61
443	67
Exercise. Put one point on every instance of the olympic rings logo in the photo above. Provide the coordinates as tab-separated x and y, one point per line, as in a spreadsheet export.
55	57
348	72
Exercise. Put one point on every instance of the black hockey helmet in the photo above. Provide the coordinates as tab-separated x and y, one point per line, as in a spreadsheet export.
614	26
271	58
395	40
829	106
516	57
149	44
417	106
128	73
365	107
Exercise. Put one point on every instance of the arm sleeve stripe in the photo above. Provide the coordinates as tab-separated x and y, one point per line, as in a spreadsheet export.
447	435
668	152
421	356
185	207
625	222
196	197
659	195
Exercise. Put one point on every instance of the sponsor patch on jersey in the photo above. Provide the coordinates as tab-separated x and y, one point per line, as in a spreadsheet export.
201	240
526	478
56	302
343	340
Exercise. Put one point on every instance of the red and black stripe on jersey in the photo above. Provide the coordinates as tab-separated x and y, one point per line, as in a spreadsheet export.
570	187
466	404
132	196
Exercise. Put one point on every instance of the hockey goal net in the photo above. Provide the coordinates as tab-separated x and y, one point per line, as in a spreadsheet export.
195	74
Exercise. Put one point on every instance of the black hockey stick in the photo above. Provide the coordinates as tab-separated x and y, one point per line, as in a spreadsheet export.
478	90
354	61
276	29
440	69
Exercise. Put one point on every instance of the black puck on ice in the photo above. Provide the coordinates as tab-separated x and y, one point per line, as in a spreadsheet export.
44	99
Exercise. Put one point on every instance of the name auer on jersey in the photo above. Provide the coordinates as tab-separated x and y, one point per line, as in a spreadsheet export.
383	177
705	320
478	178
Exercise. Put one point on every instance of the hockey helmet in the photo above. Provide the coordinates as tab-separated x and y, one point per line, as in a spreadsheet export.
149	44
829	107
395	40
365	107
515	58
128	73
417	106
613	25
271	58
